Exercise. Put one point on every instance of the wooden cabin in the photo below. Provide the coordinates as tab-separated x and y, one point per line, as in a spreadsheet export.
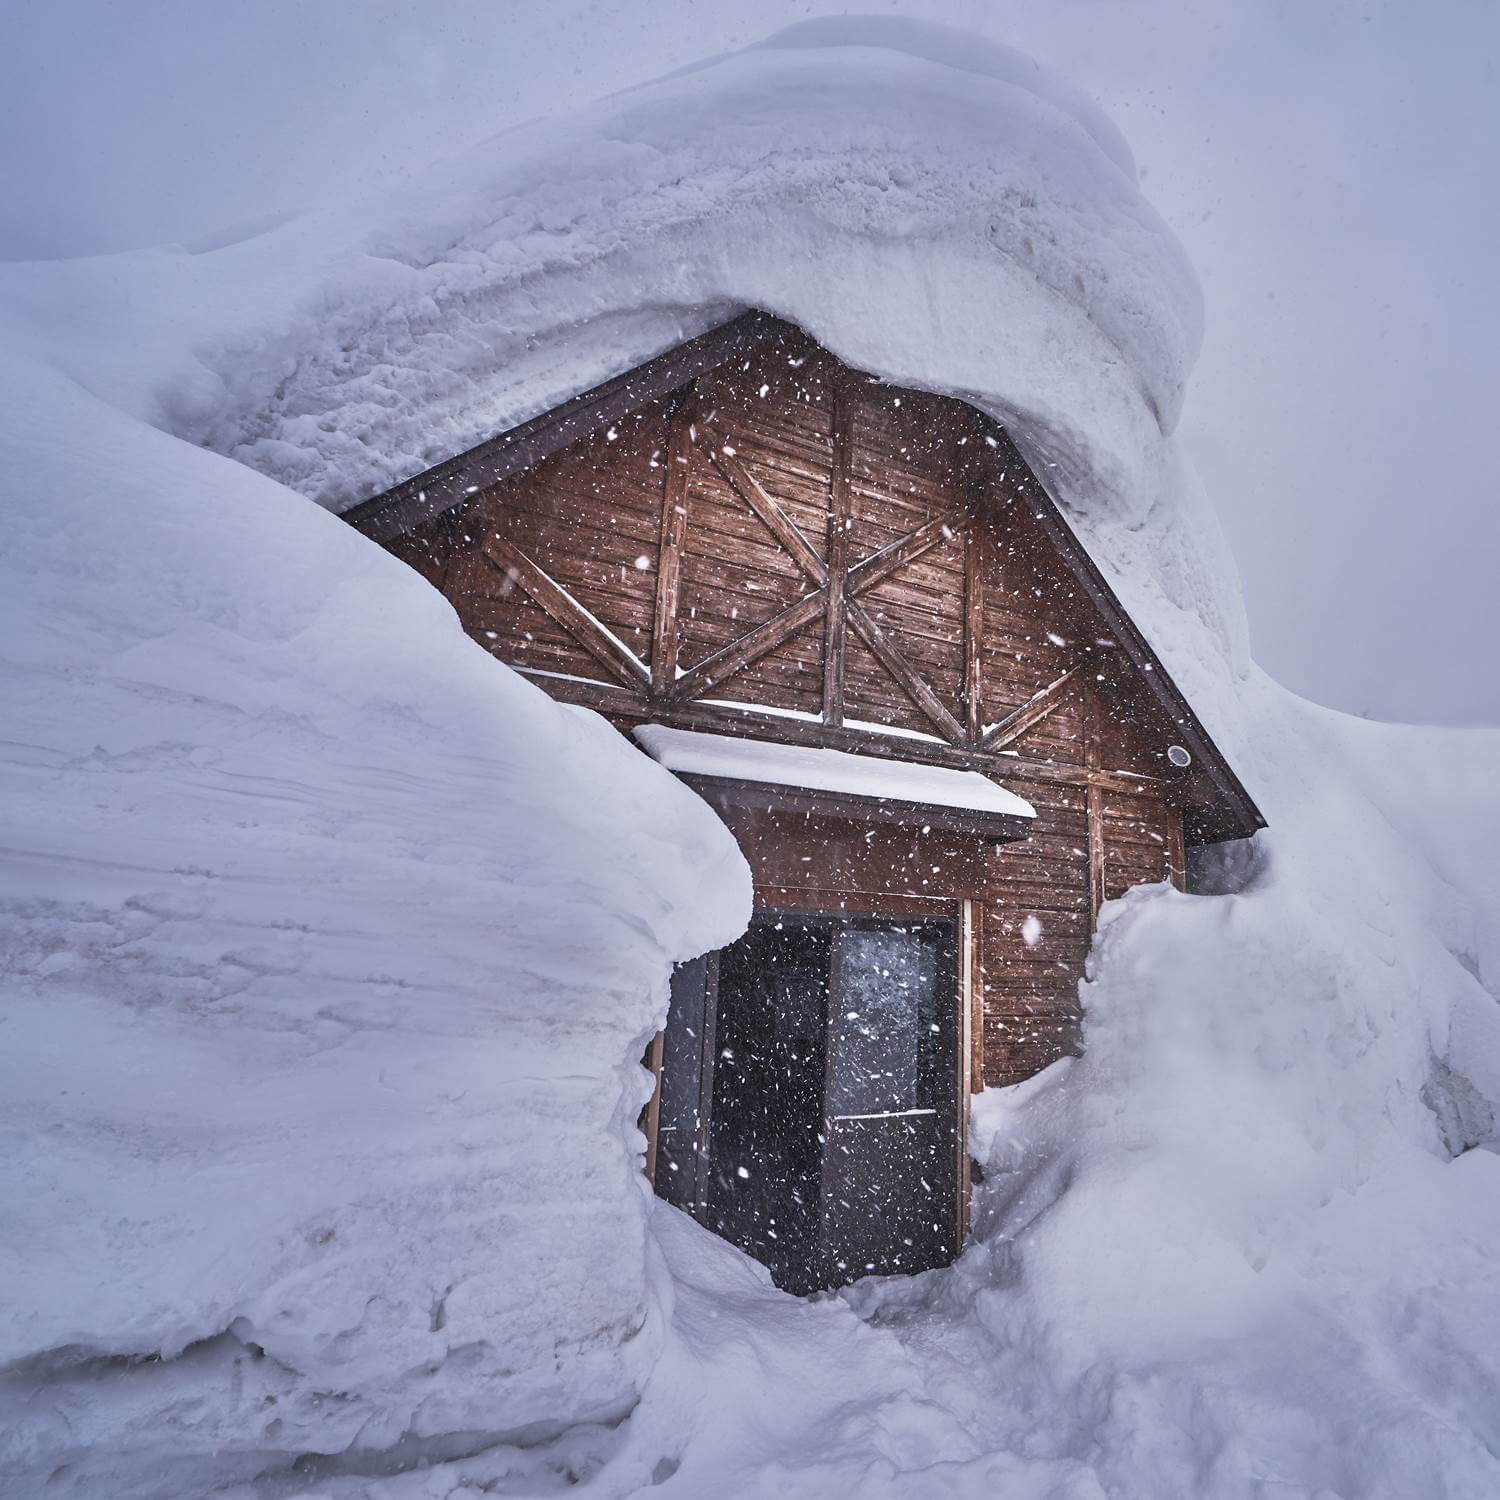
851	618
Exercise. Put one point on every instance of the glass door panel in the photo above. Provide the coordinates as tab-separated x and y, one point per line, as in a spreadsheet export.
809	1095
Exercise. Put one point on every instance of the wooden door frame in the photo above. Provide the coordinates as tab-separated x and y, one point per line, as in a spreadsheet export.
968	964
650	1117
832	904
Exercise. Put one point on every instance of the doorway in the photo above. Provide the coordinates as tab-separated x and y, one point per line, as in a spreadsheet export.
809	1094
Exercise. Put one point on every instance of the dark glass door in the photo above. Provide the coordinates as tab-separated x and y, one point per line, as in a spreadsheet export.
810	1095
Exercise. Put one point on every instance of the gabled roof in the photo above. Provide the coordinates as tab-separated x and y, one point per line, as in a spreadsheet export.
407	505
1227	813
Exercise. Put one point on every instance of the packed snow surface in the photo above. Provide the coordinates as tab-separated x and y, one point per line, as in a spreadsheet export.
330	946
694	753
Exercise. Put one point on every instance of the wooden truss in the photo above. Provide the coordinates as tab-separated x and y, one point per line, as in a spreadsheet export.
835	591
1217	805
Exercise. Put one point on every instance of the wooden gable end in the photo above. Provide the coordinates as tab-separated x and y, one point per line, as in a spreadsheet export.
778	546
779	532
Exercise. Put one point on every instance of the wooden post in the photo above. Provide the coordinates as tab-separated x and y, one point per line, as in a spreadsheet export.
1176	848
839	518
703	1139
674	503
975	952
973	629
966	1083
1095	802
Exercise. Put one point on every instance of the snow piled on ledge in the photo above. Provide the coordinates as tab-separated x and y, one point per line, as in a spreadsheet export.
328	945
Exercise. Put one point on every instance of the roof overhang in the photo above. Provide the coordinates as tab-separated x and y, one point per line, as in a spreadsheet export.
730	771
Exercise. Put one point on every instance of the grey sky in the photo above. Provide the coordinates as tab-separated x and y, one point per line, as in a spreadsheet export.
1332	169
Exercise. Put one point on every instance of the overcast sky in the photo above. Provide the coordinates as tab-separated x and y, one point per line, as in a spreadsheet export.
1332	168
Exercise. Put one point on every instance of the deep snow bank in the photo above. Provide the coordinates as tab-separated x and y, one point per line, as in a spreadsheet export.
1244	1247
338	950
327	945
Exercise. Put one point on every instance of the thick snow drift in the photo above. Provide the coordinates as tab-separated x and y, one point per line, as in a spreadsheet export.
328	945
328	949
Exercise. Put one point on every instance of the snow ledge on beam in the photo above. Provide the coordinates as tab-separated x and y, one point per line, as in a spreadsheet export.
690	752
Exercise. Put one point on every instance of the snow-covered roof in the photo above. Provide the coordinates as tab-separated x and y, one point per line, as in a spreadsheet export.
934	209
728	757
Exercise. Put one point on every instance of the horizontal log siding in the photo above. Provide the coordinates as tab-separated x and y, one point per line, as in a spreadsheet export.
499	615
1142	843
1031	1012
591	519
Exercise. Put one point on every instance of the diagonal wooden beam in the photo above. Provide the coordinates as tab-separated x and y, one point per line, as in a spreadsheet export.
754	494
612	652
738	655
917	687
869	571
1029	714
864	575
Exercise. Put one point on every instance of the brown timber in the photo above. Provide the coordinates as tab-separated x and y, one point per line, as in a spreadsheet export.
802	554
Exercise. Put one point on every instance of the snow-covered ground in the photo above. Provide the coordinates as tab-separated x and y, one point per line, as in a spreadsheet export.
329	946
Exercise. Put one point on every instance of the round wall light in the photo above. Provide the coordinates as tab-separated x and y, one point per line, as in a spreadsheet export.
1178	756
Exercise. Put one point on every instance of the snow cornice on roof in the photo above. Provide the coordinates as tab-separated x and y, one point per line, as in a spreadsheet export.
934	209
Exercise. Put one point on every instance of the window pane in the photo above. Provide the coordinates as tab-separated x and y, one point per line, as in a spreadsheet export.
882	1019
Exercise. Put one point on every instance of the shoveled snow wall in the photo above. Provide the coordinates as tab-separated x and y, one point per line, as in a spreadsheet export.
329	951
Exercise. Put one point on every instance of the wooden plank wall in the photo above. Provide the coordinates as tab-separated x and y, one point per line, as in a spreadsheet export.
644	529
